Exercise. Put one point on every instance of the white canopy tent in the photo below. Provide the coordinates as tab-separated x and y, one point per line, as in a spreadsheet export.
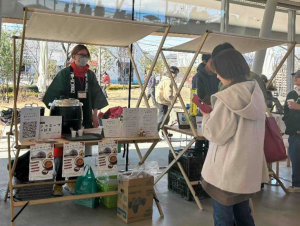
45	25
242	43
74	28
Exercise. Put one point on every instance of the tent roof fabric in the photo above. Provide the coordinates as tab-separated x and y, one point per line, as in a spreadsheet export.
244	44
67	27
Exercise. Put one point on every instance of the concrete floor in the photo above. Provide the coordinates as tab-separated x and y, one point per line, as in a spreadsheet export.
272	207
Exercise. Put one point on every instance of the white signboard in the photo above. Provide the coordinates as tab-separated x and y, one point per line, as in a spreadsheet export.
139	119
112	127
107	157
50	127
73	159
41	162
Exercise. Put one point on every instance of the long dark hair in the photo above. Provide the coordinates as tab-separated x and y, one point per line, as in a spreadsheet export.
230	64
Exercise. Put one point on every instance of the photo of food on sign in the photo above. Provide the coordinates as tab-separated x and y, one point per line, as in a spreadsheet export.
39	155
48	165
72	153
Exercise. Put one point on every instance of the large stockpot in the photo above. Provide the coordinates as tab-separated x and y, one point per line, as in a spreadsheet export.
71	112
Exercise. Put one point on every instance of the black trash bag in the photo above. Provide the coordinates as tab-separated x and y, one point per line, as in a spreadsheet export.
22	167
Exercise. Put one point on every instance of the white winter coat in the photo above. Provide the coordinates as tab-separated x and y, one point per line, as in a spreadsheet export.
236	127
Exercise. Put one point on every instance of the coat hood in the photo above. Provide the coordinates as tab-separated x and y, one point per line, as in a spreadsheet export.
244	99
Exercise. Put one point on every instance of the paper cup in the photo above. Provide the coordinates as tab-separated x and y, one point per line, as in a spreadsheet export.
73	133
80	132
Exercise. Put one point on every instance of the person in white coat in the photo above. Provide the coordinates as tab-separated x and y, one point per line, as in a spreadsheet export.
164	96
235	165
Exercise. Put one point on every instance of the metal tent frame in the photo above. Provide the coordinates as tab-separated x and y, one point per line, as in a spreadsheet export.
205	44
35	35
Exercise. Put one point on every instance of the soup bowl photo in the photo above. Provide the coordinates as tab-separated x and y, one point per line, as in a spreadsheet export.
112	159
48	164
79	162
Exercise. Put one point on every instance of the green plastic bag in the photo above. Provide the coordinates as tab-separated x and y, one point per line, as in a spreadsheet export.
87	184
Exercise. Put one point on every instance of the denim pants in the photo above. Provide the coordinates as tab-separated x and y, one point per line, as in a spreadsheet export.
240	214
294	153
162	111
57	172
104	90
151	93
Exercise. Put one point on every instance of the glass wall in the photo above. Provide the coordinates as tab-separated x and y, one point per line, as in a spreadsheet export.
190	17
108	8
247	20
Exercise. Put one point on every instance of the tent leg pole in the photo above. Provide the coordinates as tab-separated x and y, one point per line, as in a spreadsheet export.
280	64
138	77
203	39
179	96
153	64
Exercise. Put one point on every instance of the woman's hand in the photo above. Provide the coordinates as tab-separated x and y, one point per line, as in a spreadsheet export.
203	113
95	119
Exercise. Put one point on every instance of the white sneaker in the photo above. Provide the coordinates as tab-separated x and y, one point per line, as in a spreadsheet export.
293	189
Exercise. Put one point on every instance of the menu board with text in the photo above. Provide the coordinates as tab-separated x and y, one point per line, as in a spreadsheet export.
107	157
73	159
41	162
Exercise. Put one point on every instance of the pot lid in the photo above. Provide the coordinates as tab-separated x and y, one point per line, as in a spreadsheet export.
66	103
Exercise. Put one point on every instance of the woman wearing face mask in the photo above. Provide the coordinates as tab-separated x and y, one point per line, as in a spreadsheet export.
76	81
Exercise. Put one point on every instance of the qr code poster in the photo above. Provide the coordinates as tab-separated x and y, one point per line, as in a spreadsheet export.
41	162
29	123
73	159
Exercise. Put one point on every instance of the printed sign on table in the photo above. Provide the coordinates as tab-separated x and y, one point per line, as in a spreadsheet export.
107	159
73	159
29	123
112	127
50	127
139	119
41	162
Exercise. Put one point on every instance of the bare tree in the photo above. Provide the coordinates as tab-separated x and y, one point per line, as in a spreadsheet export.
66	48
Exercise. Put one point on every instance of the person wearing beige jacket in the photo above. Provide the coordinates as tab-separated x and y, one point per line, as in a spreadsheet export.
164	96
235	164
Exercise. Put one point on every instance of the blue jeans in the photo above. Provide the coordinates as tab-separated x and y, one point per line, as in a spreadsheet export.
162	111
294	153
240	214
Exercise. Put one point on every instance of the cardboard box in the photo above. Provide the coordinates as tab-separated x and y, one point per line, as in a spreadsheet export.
135	197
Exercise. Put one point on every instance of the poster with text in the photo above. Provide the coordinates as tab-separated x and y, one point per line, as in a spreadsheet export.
107	157
41	162
50	127
73	159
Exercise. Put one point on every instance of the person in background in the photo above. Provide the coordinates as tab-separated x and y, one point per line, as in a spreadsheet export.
235	165
164	96
106	82
291	119
75	81
206	83
151	89
250	76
